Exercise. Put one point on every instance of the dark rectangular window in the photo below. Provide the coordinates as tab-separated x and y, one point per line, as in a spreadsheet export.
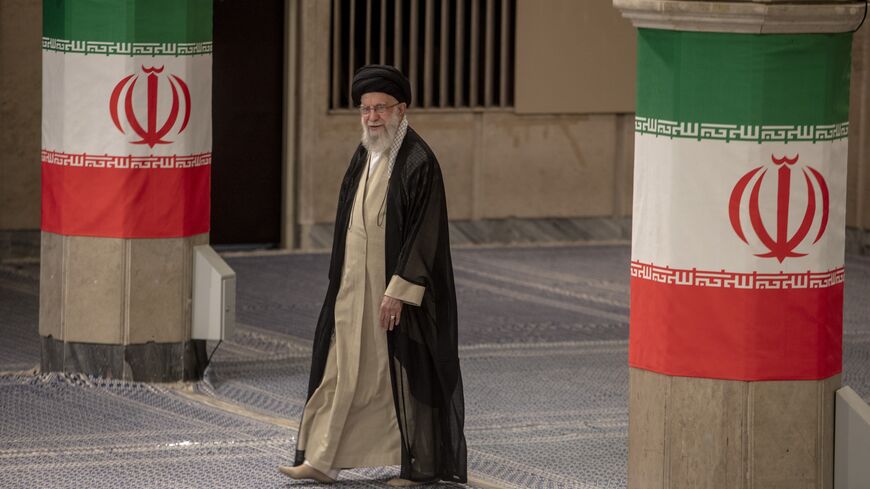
457	53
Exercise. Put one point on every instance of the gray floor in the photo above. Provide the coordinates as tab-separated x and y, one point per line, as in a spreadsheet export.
543	346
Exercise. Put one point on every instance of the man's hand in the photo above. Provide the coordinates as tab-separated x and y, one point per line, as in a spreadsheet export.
391	312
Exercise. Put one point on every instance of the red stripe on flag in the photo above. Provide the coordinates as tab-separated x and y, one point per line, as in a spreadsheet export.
736	334
124	202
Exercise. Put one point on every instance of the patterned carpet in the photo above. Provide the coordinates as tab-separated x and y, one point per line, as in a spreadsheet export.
543	347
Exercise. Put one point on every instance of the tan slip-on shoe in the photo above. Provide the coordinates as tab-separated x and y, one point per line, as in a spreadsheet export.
305	471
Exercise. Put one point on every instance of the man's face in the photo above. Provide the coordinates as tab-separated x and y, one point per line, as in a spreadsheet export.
379	130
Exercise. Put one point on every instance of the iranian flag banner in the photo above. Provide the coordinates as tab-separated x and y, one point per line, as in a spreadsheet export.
126	117
739	204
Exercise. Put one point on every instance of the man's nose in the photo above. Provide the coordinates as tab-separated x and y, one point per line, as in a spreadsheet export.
373	115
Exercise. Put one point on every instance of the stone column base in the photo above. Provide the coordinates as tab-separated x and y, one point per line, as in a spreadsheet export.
149	362
119	308
692	433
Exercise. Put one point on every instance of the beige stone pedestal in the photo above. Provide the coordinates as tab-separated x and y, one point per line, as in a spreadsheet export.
696	433
119	308
691	433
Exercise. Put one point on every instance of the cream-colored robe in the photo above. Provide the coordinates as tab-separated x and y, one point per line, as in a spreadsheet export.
350	420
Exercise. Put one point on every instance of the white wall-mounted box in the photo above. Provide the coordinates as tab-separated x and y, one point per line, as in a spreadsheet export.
851	441
214	296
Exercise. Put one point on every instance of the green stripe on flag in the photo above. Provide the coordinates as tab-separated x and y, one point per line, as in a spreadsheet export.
754	79
128	21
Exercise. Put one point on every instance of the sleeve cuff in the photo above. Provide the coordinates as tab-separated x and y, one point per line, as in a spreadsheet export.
405	291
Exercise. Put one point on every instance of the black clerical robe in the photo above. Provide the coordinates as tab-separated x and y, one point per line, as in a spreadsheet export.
423	348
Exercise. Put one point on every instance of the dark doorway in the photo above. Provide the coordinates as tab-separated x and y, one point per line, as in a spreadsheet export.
247	107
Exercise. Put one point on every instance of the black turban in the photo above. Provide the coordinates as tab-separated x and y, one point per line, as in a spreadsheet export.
380	78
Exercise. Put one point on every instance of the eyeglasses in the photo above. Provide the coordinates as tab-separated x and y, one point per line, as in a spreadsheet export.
378	109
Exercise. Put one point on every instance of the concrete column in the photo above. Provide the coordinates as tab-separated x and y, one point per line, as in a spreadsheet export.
735	356
119	308
126	152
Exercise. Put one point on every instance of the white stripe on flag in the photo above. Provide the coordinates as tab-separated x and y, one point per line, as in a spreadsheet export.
682	189
77	89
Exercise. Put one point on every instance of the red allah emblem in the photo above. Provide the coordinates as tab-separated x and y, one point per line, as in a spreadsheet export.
150	134
783	246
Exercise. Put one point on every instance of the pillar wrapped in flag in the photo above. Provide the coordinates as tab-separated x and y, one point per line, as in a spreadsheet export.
739	204
126	127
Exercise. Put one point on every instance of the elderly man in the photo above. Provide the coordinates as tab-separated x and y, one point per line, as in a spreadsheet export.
385	385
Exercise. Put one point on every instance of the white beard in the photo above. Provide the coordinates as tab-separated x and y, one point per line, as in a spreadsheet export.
380	141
